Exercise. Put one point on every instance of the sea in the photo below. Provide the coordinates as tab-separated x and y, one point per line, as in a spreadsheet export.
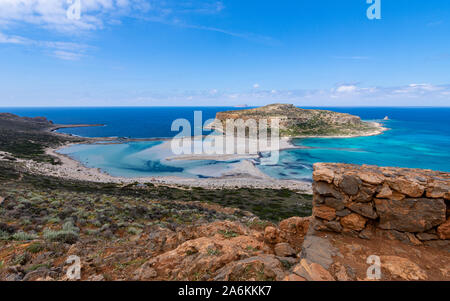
417	138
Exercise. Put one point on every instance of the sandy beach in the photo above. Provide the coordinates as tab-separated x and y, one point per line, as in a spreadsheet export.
242	174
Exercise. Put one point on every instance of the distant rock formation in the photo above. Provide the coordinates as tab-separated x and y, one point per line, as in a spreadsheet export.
295	121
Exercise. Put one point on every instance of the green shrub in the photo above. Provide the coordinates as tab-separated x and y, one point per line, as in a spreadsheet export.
23	236
4	235
68	234
134	230
35	247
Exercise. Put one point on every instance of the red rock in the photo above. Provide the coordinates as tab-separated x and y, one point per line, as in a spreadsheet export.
443	230
312	271
371	177
271	235
322	173
283	249
403	268
354	222
293	277
324	212
409	188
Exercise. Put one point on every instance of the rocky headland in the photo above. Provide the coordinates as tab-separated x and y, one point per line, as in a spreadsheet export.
297	122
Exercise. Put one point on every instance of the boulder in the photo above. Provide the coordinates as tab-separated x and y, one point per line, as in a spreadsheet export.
410	215
271	235
324	212
350	184
407	187
354	222
387	193
284	249
402	268
371	177
322	173
364	209
443	230
438	189
325	189
312	271
293	230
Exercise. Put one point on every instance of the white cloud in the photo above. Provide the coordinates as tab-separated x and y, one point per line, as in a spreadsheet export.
256	86
346	89
52	14
63	50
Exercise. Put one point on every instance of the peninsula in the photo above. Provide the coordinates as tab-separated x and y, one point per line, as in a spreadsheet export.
297	122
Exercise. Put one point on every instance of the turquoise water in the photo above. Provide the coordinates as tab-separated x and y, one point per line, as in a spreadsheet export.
419	138
143	159
406	144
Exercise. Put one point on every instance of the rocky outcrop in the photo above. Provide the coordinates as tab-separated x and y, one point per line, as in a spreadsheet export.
409	205
295	121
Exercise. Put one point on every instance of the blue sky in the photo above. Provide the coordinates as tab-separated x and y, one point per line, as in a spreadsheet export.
175	52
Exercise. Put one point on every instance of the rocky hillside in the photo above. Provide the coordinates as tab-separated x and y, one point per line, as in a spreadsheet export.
157	233
302	122
27	138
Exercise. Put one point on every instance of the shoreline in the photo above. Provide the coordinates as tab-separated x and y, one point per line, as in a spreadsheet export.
244	175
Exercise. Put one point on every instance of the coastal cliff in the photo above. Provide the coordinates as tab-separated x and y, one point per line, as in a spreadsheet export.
296	122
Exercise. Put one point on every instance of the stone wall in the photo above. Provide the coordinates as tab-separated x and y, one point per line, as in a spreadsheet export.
410	205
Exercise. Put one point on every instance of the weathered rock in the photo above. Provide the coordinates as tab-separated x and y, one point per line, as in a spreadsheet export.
334	226
284	250
354	222
312	271
271	235
293	230
293	277
402	268
324	212
365	194
145	272
322	173
406	187
342	213
410	215
438	189
426	236
350	184
338	204
443	230
364	209
371	177
263	267
326	189
387	193
319	250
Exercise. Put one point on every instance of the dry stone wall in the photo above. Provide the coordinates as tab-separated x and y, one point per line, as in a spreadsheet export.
410	205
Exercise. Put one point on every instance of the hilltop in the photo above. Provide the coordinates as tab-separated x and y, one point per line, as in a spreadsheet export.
297	122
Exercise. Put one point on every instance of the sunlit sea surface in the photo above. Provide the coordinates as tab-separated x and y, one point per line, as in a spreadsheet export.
418	138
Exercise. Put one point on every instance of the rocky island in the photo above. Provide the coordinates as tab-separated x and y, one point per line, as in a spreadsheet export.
297	122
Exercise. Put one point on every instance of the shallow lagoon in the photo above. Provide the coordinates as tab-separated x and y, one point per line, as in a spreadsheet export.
419	138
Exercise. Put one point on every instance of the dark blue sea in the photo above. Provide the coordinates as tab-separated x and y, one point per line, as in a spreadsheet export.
418	138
